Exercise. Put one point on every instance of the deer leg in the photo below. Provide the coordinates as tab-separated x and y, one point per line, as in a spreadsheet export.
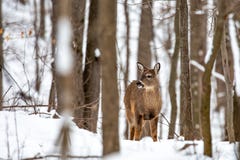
153	126
132	130
138	128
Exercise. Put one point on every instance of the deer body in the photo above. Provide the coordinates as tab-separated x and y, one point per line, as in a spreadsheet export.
143	102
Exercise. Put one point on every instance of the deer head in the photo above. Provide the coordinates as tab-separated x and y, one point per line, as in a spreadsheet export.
148	77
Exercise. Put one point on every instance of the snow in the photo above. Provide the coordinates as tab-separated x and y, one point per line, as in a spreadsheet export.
201	68
38	136
26	136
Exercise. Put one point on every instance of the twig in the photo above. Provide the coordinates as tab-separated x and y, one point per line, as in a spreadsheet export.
59	156
16	132
169	123
6	93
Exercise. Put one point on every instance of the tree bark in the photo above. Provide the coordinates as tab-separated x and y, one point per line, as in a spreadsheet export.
197	53
206	92
36	30
236	115
53	89
110	100
65	75
173	76
42	19
127	41
229	89
91	75
145	34
186	106
1	57
77	20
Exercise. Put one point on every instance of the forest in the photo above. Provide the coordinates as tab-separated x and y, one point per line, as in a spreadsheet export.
120	79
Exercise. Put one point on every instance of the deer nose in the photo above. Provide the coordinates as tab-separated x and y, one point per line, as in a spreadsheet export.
140	84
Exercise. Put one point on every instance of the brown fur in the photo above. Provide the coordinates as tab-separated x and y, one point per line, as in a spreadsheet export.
143	103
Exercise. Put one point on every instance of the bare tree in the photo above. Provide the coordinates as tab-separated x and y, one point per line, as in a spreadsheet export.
77	20
229	89
1	56
221	92
110	101
53	89
186	103
36	30
42	19
127	42
236	113
197	52
145	34
65	73
206	91
173	76
91	74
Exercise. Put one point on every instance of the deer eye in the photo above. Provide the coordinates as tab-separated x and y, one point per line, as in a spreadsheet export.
149	76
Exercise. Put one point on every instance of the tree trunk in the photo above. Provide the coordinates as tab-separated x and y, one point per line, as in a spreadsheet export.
236	115
65	73
221	93
36	30
110	101
1	57
186	106
229	89
145	34
42	19
91	75
206	92
144	45
77	20
127	42
173	76
197	52
53	89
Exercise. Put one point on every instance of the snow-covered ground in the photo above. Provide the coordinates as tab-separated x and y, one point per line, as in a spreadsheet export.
27	136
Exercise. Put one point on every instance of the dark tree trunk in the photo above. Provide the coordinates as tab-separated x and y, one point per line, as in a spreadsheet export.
77	20
206	81
186	104
126	73
36	30
197	53
229	89
53	89
91	75
65	76
145	34
42	19
173	76
221	93
110	99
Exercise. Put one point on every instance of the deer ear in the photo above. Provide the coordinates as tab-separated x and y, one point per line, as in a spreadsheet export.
140	66
157	67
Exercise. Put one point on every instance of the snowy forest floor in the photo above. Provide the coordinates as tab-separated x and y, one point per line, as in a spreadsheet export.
26	136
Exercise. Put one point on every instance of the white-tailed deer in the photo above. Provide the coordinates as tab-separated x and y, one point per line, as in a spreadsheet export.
143	102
